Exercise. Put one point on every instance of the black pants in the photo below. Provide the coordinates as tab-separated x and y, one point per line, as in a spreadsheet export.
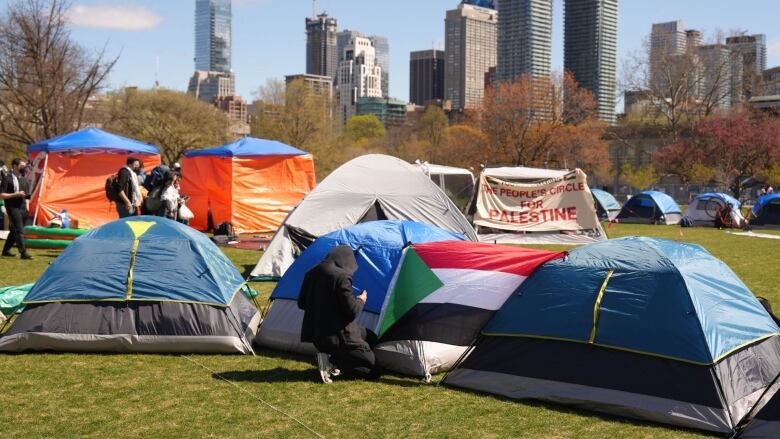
358	360
16	217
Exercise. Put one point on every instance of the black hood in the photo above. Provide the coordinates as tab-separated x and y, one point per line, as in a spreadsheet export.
343	257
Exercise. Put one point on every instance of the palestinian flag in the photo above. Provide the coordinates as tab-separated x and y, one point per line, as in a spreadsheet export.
446	292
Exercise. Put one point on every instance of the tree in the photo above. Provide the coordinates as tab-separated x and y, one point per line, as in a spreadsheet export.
468	147
432	128
643	177
364	127
46	78
174	121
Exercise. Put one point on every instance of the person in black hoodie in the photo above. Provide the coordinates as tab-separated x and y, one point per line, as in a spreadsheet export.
330	309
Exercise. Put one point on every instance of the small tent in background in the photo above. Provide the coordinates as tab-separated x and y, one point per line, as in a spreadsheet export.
457	183
766	212
251	183
440	298
704	208
70	172
138	284
606	205
650	207
636	327
378	245
368	188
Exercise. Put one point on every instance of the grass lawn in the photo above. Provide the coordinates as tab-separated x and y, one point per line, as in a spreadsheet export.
67	395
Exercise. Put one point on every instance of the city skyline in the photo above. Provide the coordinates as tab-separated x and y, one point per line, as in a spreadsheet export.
155	30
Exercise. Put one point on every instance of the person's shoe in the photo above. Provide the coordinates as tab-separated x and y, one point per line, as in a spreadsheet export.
323	364
26	256
8	254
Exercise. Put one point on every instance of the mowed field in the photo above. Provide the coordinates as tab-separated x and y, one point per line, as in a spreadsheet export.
74	395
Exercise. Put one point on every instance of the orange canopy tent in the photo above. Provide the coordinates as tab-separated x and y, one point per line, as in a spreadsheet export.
251	183
70	172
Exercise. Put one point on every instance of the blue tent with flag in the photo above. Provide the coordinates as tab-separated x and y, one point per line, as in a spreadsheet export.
378	248
638	327
650	207
138	284
607	206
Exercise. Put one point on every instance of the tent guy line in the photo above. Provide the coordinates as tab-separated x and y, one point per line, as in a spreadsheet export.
253	396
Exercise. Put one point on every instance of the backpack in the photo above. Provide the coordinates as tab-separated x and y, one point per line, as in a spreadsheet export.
112	188
156	177
154	200
225	229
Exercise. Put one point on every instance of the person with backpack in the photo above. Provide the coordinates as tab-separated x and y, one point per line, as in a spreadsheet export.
15	191
129	191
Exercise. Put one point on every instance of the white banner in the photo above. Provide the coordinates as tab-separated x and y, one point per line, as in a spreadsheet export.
555	205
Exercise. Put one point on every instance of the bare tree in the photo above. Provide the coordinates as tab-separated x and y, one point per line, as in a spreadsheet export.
46	79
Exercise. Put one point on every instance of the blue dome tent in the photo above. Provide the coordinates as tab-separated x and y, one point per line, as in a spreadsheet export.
379	246
651	207
637	327
138	284
766	212
607	207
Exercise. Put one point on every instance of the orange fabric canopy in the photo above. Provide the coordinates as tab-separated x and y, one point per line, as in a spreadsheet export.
76	182
255	194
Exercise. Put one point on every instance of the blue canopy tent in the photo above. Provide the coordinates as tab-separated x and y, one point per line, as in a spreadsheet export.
638	327
705	208
766	211
379	246
138	284
650	207
248	147
70	172
607	206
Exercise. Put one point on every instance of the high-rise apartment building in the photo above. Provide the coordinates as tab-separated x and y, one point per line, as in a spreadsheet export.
322	56
667	41
470	47
590	49
749	53
209	86
426	76
382	49
524	38
213	35
359	76
715	75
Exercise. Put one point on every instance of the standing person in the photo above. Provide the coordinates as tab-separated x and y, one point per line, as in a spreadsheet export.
330	309
169	197
129	190
770	190
14	191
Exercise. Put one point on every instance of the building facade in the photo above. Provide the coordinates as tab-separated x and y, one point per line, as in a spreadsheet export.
320	85
321	46
234	106
359	76
590	50
426	76
667	41
392	112
470	49
524	38
772	82
209	86
382	49
716	81
213	35
748	53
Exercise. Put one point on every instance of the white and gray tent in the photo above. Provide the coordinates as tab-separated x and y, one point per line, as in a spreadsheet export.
369	188
457	183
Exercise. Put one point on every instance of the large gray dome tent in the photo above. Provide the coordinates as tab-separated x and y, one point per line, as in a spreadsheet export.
368	188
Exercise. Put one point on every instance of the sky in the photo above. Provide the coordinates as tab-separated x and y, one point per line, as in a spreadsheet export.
269	38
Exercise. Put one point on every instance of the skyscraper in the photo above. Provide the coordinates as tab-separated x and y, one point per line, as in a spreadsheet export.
359	76
590	49
470	46
426	76
382	49
524	38
748	54
716	75
213	35
322	56
210	86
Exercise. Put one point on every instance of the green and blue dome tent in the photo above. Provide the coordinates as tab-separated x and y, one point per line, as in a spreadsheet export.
637	327
651	207
607	206
138	284
378	248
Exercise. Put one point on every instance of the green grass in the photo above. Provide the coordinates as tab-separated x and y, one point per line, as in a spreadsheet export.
67	395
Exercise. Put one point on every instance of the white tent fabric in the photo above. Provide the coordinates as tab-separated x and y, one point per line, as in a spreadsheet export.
347	195
702	212
431	169
524	174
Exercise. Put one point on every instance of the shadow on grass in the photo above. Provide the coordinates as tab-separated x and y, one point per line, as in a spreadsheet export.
284	375
568	409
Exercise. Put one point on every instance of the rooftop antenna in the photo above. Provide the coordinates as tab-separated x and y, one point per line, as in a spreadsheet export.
313	8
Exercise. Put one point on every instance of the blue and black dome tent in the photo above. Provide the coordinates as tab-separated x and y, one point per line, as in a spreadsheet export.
651	207
607	206
766	212
379	246
636	327
138	284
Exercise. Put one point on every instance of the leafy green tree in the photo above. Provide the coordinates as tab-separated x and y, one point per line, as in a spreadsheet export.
432	129
641	178
364	127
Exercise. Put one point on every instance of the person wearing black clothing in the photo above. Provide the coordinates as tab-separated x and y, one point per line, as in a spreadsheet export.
14	190
330	309
129	189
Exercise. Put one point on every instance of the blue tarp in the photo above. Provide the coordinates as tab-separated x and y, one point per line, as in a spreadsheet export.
173	262
763	201
92	138
246	147
663	298
381	244
605	199
726	198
